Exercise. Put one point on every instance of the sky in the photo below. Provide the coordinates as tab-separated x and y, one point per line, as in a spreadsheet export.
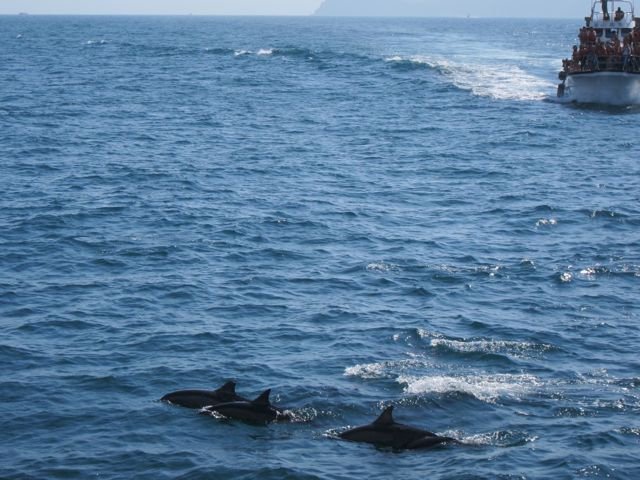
161	7
565	8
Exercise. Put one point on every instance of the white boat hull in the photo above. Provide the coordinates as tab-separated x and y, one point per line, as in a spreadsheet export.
609	88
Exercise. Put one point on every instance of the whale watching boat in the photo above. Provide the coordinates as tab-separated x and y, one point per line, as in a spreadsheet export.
605	65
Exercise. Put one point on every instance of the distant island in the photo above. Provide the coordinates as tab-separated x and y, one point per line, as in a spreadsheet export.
438	8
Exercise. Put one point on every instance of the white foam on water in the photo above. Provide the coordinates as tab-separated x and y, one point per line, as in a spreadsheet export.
424	333
386	369
487	388
265	51
300	416
588	273
518	349
240	53
334	433
382	267
212	413
500	81
400	59
566	277
543	222
504	439
369	370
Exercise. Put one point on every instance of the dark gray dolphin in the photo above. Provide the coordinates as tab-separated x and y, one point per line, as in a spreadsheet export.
259	410
385	432
204	398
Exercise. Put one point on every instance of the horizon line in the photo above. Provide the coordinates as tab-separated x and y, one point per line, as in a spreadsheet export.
464	17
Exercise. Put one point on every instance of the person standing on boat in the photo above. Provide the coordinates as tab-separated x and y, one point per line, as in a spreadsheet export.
635	58
576	55
626	57
583	36
615	41
592	59
601	55
605	10
614	53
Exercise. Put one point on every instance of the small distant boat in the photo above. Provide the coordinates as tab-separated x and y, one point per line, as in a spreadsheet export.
605	65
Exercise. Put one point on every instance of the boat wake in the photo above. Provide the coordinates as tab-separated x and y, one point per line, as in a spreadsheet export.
499	82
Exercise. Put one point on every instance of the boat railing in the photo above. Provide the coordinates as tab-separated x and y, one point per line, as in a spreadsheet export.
628	62
612	17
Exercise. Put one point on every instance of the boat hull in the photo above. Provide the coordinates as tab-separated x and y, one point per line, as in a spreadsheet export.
609	88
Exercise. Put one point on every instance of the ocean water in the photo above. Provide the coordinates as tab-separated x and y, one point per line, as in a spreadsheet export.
355	213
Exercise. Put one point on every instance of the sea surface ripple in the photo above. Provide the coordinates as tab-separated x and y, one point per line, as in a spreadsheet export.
354	213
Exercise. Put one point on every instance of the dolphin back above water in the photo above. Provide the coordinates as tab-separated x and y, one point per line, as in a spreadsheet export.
259	410
385	432
204	398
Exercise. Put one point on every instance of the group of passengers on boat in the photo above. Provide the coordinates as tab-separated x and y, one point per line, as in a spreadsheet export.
610	53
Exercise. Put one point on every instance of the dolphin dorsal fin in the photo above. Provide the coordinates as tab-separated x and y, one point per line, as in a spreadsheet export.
386	418
263	399
229	387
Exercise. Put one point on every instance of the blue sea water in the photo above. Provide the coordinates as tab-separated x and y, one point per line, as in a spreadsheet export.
355	213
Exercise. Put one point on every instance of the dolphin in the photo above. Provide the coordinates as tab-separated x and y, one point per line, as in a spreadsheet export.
258	411
204	398
385	432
